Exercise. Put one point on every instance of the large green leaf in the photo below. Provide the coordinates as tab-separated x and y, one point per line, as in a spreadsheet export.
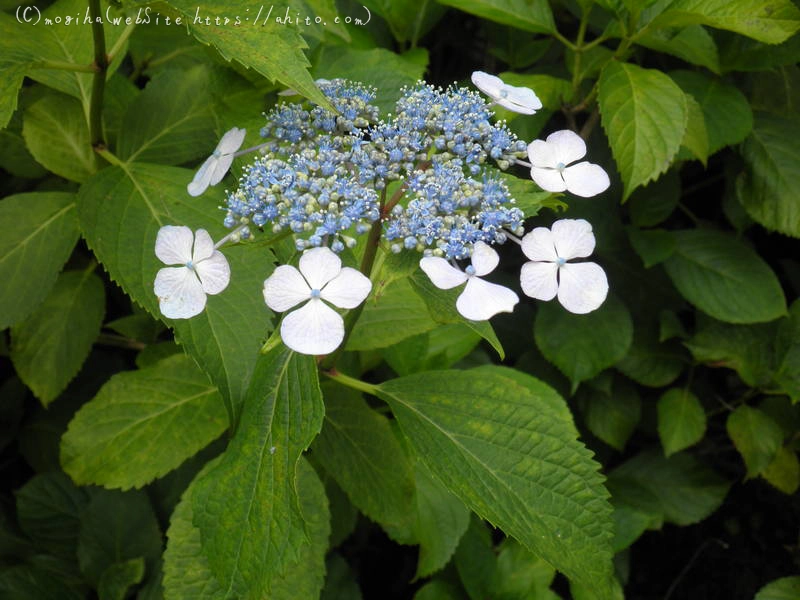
121	211
187	575
644	114
767	189
118	578
681	420
49	508
583	345
50	345
770	21
504	443
724	278
693	44
612	415
530	15
39	231
727	114
756	436
171	121
408	19
359	450
115	527
272	49
143	424
56	133
785	588
247	507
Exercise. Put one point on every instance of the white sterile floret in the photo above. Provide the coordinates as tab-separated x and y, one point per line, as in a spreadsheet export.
518	99
315	328
581	287
203	269
552	171
213	170
480	299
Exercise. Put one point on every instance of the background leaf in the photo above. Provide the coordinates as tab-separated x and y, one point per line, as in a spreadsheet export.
532	16
681	420
756	436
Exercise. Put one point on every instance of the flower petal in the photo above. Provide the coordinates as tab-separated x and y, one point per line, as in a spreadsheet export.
319	266
214	273
348	289
538	280
231	141
285	288
566	146
314	328
443	275
541	155
573	238
538	244
582	287
220	169
180	294
488	84
202	178
549	180
481	300
484	258
521	100
203	246
586	179
174	244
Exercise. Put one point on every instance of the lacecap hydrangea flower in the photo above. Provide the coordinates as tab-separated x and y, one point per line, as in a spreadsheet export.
215	166
552	168
517	99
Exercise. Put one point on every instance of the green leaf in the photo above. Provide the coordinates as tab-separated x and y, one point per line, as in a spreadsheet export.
681	420
756	436
692	44
766	188
10	83
57	135
50	345
770	21
475	560
49	508
785	588
529	15
379	67
247	507
528	198
787	350
651	362
652	204
359	450
407	19
271	49
170	122
613	416
39	232
27	582
438	589
783	472
695	138
521	574
390	315
120	212
143	424
187	575
119	577
724	278
466	427
115	527
653	246
727	114
15	158
680	488
340	583
439	348
583	345
441	520
644	114
442	307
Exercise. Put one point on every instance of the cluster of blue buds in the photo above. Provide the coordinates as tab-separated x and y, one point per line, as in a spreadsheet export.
325	176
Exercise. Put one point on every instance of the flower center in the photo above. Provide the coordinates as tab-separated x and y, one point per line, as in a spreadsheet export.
470	271
315	293
216	153
561	166
190	265
561	261
504	93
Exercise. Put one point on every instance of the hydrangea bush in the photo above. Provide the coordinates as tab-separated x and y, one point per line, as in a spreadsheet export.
463	301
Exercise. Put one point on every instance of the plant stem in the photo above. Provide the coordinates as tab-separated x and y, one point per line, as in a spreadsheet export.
99	82
129	29
351	382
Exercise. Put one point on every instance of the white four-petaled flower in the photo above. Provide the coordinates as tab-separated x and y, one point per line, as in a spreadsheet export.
214	168
552	171
518	99
315	328
480	299
203	269
581	287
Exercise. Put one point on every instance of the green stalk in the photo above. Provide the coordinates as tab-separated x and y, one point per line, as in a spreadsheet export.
351	382
99	82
